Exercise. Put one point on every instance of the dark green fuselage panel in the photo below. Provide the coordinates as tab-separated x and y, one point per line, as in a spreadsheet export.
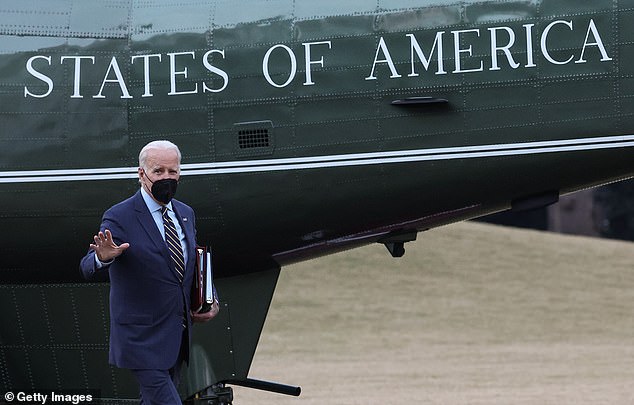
306	127
259	98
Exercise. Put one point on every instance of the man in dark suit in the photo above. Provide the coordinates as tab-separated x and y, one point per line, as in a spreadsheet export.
146	248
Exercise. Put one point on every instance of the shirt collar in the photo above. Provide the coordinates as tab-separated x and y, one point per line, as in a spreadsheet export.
151	204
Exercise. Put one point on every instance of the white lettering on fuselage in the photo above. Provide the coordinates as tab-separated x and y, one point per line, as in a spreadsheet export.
508	49
463	41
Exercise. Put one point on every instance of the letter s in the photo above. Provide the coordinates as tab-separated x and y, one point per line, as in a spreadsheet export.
38	75
215	70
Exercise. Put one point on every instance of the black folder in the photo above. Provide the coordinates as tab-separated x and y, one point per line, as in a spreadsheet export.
203	290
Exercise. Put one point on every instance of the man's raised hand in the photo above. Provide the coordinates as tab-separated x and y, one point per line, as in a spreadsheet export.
105	248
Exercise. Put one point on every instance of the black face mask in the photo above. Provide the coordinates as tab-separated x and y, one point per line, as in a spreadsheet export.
163	190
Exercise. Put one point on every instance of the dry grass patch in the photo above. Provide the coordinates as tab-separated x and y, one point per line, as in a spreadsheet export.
473	314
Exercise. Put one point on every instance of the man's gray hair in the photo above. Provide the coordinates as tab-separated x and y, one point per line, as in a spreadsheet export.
164	145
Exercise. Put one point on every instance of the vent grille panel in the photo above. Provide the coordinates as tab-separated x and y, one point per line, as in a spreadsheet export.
253	138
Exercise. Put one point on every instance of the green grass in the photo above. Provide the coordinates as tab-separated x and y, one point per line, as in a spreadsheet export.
473	314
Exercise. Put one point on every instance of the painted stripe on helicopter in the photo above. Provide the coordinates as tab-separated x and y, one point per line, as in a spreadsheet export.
330	161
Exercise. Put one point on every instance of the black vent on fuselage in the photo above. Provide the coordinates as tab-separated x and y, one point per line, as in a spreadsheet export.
253	138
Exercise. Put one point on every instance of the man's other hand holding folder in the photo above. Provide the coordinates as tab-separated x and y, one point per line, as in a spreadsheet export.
204	305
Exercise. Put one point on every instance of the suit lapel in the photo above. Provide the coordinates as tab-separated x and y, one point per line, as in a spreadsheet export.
147	222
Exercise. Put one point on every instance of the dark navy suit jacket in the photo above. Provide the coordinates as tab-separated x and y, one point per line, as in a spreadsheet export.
147	301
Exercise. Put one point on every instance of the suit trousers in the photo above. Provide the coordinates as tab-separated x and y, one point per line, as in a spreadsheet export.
159	387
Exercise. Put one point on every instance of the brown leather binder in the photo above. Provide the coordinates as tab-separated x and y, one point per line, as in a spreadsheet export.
203	290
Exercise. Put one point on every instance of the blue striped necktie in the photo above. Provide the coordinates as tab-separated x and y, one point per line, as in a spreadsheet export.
174	244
